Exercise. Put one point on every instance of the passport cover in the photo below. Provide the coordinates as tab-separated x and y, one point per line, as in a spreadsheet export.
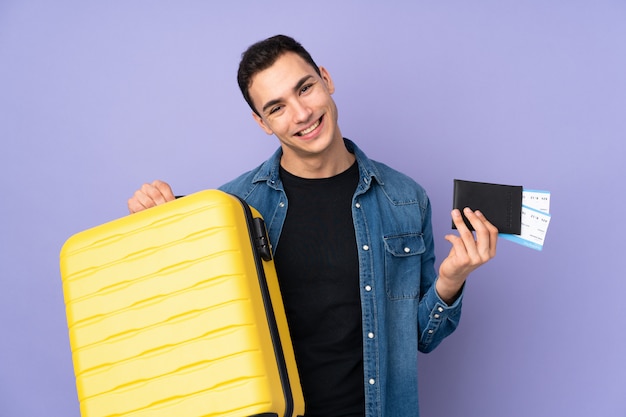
501	204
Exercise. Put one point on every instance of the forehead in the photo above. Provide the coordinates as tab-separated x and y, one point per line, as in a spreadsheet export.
279	79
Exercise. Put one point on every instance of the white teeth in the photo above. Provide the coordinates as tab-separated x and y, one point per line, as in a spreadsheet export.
310	129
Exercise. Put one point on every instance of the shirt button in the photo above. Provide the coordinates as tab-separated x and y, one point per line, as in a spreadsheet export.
358	205
407	250
372	381
370	335
440	309
365	247
437	316
281	204
368	288
431	331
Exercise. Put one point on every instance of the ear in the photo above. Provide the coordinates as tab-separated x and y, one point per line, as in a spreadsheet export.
262	124
327	80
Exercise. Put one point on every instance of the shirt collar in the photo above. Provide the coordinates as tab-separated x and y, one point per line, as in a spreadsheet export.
269	170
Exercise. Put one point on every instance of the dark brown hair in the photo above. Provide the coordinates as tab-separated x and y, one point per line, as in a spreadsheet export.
262	55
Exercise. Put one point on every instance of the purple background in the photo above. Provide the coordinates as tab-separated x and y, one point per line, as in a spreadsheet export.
99	97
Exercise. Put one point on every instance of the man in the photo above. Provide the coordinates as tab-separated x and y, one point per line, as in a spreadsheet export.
353	244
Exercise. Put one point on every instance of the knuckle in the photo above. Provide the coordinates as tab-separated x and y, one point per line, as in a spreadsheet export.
145	188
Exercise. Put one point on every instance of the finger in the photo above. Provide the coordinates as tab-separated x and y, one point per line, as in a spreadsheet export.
135	205
482	246
459	223
458	262
486	235
458	249
141	200
165	190
152	195
145	197
481	219
492	231
465	233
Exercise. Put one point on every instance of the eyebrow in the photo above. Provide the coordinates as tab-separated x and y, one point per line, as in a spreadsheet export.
297	87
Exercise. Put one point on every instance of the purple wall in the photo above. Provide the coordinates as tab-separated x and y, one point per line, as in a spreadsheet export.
98	97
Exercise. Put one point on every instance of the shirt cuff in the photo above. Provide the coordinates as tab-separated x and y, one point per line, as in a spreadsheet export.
438	319
437	298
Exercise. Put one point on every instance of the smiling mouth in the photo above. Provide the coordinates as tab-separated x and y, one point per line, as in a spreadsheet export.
310	128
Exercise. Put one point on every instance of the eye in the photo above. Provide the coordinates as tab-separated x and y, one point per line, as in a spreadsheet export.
305	88
275	109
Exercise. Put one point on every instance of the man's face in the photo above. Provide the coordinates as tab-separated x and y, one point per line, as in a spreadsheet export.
295	104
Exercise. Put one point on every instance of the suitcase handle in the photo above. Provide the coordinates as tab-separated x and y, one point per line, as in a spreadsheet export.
261	239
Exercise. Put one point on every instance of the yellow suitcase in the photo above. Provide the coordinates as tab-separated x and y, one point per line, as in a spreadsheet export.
172	312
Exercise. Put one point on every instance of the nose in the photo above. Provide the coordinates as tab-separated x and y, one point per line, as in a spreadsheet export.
301	112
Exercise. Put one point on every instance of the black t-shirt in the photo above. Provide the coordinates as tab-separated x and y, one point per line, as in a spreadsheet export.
318	270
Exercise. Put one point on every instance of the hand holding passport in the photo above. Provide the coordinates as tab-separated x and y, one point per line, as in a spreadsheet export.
501	204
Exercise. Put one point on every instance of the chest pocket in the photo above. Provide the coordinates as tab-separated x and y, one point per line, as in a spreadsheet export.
403	265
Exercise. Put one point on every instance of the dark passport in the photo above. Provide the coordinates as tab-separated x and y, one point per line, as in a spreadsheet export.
501	204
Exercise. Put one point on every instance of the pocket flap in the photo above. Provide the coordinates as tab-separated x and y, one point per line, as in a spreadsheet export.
405	245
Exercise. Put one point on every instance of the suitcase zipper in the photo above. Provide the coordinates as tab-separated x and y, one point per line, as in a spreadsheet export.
262	251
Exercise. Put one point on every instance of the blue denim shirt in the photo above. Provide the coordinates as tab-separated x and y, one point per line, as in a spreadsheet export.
402	312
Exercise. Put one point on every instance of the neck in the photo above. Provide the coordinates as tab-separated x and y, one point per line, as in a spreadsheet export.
333	161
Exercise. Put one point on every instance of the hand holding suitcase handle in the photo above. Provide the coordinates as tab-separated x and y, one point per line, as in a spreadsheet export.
150	195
